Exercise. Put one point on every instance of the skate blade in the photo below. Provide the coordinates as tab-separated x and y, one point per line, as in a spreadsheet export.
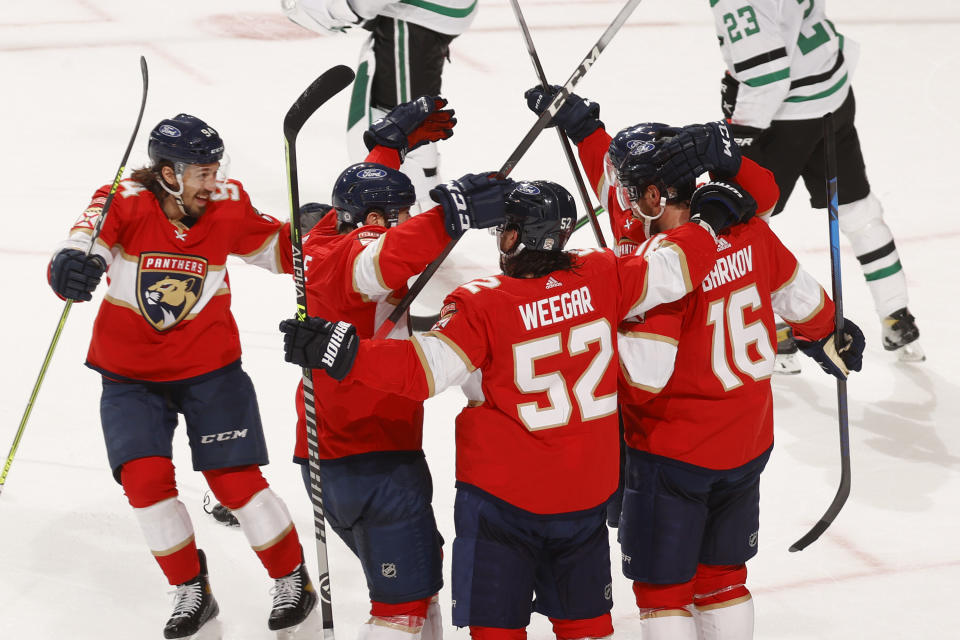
787	364
912	352
309	628
211	630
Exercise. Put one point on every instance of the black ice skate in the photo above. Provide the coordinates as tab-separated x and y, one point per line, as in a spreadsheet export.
788	353
293	599
900	333
193	605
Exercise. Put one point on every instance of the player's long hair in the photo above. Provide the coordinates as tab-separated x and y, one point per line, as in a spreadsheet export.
536	263
150	178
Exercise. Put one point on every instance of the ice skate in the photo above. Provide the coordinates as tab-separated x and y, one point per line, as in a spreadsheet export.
900	334
788	354
293	599
193	605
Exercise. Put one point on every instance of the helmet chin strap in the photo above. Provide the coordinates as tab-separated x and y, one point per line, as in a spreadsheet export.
178	194
648	220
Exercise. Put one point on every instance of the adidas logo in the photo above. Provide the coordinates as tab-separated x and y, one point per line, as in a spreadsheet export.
722	244
553	283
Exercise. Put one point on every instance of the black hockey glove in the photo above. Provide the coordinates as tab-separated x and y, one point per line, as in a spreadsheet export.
721	205
578	116
696	149
475	201
320	344
74	275
824	351
411	124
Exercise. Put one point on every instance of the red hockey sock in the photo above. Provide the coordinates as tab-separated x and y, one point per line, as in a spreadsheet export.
493	633
599	627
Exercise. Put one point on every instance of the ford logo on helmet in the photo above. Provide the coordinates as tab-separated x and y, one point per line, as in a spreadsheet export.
527	188
170	131
370	174
638	147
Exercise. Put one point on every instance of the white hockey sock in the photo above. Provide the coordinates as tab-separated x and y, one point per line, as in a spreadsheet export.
667	624
264	519
731	620
872	241
166	526
422	166
433	627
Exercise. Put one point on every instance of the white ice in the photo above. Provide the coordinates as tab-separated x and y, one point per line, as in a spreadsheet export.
73	563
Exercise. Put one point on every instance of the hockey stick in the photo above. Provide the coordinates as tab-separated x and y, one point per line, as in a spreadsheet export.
329	84
830	156
583	220
69	303
515	157
567	151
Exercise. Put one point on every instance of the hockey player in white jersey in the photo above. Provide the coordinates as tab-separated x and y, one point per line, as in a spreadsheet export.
787	66
401	60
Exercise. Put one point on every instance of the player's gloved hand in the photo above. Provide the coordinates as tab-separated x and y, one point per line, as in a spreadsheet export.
74	275
745	137
411	124
578	116
321	16
474	201
696	149
836	363
721	204
320	344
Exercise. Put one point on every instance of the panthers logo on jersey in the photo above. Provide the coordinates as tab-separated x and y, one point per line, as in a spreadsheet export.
168	286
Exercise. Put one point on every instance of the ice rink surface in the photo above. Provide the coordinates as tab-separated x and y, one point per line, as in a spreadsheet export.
73	563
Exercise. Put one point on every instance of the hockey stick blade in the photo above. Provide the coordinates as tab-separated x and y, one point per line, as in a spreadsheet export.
66	307
387	326
327	85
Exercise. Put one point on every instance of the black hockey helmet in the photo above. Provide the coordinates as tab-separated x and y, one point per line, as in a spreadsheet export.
629	164
185	139
368	186
543	212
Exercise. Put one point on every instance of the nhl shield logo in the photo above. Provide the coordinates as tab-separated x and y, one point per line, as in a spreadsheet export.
168	285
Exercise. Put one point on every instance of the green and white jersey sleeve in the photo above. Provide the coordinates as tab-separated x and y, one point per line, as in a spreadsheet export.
451	17
787	57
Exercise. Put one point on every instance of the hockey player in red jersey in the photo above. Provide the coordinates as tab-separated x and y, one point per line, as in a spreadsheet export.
537	445
697	402
165	343
377	488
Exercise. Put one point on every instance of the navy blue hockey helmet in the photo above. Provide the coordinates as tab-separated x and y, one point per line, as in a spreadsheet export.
629	163
184	138
543	212
368	186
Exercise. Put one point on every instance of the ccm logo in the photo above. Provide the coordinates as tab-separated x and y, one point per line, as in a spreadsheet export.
223	436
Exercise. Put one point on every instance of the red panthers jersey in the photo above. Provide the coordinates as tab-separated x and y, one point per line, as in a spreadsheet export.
627	230
166	313
537	360
360	277
696	373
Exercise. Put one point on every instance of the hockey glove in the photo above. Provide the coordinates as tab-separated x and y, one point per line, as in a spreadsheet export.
73	275
321	16
720	205
475	201
696	149
745	137
836	363
411	124
578	116
320	344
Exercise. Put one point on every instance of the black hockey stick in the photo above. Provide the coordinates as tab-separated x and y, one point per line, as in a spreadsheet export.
329	84
515	157
583	220
69	303
567	151
843	491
